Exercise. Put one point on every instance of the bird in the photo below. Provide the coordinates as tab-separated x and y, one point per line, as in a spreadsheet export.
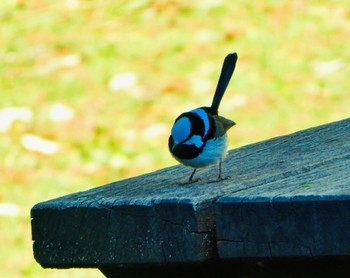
198	137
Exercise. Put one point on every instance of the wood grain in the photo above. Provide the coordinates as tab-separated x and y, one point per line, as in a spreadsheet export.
288	196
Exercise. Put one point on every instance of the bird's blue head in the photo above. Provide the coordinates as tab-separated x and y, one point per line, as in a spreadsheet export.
181	129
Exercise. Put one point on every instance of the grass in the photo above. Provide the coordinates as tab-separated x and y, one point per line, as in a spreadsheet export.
292	73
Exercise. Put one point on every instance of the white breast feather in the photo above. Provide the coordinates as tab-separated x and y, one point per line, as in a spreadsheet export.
213	152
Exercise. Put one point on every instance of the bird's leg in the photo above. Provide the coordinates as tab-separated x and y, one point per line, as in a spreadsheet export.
190	179
219	177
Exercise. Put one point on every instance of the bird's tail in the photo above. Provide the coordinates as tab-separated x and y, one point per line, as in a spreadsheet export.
227	70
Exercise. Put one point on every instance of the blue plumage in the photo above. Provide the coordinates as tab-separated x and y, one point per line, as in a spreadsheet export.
198	137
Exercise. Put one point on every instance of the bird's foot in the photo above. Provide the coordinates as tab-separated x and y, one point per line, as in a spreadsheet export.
223	179
190	181
220	178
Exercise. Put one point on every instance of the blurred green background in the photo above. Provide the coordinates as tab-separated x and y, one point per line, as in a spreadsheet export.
90	89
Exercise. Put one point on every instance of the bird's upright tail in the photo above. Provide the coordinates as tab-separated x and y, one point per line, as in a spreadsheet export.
227	70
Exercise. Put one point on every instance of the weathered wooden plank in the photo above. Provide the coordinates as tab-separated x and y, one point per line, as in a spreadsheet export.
300	203
153	219
147	219
94	228
283	227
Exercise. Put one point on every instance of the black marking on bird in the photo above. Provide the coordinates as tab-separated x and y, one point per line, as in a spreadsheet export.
198	137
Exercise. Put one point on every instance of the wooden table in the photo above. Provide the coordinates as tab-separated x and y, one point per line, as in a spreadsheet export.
284	198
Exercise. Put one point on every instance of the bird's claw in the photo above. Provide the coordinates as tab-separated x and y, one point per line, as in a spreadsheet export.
220	179
190	181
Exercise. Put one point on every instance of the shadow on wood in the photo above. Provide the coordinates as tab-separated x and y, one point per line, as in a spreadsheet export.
238	268
286	197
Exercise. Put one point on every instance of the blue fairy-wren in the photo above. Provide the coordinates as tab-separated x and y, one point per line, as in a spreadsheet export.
198	137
